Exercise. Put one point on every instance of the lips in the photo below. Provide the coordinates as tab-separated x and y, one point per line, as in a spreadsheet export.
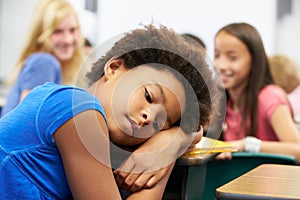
131	127
225	78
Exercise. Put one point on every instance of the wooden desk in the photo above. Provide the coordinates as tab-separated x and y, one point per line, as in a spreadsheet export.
267	181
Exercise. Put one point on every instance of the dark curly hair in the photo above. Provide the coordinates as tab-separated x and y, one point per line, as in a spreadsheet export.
150	45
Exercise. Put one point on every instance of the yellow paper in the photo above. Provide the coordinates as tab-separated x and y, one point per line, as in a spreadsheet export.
209	145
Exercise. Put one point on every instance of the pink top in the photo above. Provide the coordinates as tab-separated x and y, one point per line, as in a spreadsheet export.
270	98
294	98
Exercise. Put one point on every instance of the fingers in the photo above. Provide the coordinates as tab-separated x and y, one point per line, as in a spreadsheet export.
140	183
120	177
158	175
156	178
132	181
136	181
121	174
224	156
145	180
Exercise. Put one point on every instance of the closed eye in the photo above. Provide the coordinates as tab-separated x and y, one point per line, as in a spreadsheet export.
148	96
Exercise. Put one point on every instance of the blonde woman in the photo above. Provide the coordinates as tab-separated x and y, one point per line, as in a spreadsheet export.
52	51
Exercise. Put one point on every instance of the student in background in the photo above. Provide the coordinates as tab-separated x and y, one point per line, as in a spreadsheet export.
88	47
258	114
195	38
52	51
144	94
286	74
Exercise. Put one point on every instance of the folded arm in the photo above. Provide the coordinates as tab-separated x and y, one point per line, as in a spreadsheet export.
152	162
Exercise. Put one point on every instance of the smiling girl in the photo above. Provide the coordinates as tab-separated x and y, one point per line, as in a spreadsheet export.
52	51
258	113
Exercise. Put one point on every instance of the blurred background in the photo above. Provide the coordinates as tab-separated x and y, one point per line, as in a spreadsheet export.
278	21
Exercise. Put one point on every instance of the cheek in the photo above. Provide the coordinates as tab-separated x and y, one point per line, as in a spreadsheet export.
245	69
54	39
134	103
121	100
76	37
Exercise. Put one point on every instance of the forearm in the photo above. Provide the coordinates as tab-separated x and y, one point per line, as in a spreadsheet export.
155	192
151	161
276	147
174	140
287	148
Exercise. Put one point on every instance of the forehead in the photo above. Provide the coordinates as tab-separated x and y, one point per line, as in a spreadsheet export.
163	77
68	21
229	42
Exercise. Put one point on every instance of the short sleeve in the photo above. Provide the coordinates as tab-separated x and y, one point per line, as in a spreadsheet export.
38	69
270	98
60	106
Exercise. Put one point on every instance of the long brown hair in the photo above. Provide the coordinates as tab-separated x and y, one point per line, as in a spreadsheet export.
259	76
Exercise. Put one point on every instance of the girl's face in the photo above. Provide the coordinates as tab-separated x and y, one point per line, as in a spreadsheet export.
140	102
232	60
65	37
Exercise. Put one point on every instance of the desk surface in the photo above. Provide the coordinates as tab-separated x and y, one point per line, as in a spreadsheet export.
267	181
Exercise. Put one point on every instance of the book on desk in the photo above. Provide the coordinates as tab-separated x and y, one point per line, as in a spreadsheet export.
209	145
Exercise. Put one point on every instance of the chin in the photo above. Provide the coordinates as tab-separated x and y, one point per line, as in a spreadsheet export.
65	58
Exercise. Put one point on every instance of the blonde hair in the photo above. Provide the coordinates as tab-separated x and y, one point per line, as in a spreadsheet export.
47	16
285	72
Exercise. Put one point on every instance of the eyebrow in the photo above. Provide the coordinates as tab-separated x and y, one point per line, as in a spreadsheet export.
162	94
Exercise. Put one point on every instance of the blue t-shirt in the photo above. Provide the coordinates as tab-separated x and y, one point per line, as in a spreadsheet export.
30	163
38	69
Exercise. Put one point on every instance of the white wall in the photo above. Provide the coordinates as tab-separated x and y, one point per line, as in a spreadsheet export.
14	19
200	17
288	34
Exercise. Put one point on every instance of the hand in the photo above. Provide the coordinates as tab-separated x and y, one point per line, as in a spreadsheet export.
240	144
224	156
151	161
197	138
134	182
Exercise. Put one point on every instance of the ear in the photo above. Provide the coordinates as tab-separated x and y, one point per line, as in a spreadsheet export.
112	67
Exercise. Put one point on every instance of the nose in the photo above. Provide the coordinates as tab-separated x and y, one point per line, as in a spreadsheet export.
221	64
146	117
149	114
